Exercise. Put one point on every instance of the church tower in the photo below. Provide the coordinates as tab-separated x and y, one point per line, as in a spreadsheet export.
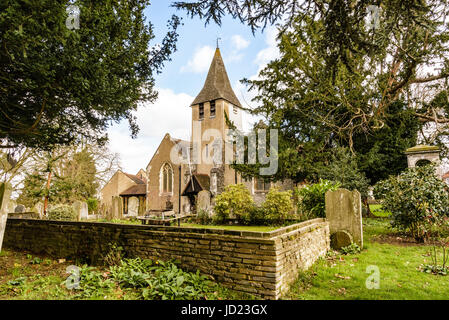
214	103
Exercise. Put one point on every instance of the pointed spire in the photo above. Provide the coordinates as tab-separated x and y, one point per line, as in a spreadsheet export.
217	84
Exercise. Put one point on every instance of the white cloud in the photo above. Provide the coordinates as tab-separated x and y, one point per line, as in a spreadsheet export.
200	61
269	53
171	114
239	42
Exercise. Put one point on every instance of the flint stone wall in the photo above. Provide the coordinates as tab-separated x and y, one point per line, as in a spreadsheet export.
259	263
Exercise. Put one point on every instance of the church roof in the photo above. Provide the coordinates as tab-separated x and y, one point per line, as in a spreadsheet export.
134	178
217	84
198	183
138	189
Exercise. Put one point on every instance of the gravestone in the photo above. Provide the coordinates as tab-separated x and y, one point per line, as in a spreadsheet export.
5	193
133	206
344	213
39	209
19	209
81	209
11	206
203	201
116	210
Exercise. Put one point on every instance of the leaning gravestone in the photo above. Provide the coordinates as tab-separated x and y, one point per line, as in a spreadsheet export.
344	213
39	209
5	193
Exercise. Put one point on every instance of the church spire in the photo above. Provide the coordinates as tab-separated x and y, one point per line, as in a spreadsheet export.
217	83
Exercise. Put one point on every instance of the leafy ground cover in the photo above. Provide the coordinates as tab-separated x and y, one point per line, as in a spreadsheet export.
376	209
26	276
399	263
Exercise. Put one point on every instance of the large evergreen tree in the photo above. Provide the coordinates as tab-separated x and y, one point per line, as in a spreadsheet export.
58	83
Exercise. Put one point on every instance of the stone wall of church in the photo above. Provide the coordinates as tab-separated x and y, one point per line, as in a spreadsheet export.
259	263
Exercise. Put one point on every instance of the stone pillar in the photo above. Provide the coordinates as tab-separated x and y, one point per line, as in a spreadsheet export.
344	213
5	193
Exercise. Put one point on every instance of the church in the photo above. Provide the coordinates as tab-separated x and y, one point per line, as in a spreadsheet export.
173	179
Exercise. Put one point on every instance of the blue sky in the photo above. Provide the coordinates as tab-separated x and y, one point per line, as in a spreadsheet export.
182	78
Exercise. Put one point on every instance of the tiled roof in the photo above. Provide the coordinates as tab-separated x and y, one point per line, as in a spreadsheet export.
139	189
134	178
446	175
217	84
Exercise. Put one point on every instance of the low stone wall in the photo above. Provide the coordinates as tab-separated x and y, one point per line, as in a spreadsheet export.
260	263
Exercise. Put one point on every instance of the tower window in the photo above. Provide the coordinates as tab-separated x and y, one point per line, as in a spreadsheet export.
212	108
201	111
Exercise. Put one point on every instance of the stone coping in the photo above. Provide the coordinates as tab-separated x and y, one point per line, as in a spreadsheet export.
245	234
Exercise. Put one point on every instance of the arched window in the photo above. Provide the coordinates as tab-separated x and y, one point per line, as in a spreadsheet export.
422	163
166	178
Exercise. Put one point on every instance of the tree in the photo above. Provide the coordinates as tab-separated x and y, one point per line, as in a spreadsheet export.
60	83
337	66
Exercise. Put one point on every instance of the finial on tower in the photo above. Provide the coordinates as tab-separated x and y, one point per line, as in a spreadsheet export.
218	38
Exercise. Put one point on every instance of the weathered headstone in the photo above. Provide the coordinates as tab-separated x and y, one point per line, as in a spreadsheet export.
19	208
344	213
116	210
203	201
133	206
39	209
11	205
5	193
81	209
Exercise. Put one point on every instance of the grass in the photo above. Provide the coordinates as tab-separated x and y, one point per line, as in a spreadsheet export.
344	276
376	209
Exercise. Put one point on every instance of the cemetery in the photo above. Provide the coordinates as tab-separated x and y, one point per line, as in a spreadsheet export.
302	156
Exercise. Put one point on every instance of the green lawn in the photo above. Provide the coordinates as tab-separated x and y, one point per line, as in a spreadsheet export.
376	209
344	277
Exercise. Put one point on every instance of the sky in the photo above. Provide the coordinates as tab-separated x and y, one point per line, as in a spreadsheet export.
183	77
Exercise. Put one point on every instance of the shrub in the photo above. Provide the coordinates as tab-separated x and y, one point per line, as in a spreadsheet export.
277	205
353	248
412	197
62	212
203	217
311	202
234	201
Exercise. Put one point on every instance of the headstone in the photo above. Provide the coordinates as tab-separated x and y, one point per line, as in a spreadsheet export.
133	206
203	201
19	209
81	209
341	239
11	206
344	213
5	193
116	210
39	209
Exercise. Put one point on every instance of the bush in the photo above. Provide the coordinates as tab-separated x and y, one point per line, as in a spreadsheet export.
92	205
62	212
277	206
234	201
311	202
203	217
412	197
